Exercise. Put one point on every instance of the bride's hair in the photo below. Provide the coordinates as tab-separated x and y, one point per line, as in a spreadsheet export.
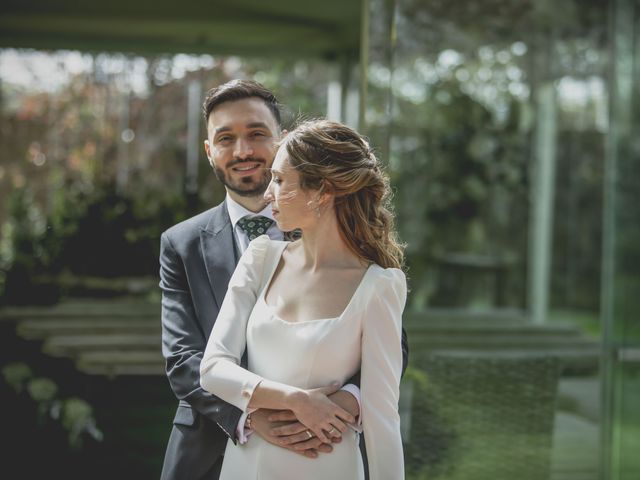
333	158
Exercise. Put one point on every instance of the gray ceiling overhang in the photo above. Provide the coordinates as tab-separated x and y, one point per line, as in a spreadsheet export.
289	28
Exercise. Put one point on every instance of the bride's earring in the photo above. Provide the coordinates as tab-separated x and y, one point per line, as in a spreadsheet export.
319	204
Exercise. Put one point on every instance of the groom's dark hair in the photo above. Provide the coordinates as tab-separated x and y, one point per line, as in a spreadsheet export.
239	90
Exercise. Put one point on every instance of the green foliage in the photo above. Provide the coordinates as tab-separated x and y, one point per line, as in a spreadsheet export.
16	375
74	415
23	250
77	418
89	204
461	178
96	233
104	233
42	390
430	439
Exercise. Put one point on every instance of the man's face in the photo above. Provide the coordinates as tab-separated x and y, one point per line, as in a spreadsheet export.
241	145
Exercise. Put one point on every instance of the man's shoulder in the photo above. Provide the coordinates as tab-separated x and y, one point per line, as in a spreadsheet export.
191	227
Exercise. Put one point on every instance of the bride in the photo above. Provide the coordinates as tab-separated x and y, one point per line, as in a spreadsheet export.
313	312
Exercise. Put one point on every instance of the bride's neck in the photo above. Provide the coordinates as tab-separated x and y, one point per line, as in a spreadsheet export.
323	246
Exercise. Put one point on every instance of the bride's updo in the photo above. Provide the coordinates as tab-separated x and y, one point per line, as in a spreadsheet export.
333	158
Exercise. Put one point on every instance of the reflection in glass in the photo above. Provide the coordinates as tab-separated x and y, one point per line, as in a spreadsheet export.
499	122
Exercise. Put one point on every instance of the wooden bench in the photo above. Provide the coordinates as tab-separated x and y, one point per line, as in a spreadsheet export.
500	331
108	337
114	362
42	328
72	345
103	337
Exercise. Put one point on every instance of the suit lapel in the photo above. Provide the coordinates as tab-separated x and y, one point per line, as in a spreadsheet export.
218	251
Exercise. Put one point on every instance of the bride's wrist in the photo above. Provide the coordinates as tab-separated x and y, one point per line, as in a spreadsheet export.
295	398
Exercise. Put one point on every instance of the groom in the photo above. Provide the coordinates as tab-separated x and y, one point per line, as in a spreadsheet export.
197	258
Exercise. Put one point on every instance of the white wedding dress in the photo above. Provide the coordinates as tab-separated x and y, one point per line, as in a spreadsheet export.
310	354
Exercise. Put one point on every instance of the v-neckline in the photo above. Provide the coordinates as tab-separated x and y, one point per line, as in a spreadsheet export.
263	295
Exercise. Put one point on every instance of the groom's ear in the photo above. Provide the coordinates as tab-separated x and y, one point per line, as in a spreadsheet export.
207	149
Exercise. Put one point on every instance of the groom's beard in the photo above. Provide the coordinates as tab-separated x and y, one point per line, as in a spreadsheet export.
245	186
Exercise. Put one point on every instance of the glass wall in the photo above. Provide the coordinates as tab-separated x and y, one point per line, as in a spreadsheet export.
498	123
621	266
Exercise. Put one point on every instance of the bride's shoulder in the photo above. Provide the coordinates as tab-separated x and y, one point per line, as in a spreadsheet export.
263	244
388	278
264	247
390	274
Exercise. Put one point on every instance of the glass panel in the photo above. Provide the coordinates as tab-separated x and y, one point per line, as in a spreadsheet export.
621	280
499	120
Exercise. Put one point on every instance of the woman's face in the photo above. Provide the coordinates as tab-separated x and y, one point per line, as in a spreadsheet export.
292	206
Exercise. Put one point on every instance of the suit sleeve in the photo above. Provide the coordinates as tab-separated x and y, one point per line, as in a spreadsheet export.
220	370
381	368
183	342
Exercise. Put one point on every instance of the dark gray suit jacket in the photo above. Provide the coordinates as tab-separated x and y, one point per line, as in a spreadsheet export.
197	259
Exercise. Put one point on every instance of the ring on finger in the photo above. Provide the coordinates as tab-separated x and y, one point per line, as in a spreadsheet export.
332	430
309	434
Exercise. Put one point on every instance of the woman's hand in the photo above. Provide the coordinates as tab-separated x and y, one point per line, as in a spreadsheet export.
320	415
292	436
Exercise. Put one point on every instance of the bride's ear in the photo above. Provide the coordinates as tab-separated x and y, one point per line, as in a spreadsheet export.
325	194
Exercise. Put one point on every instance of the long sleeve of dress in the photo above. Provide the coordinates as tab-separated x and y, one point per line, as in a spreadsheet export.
220	372
380	376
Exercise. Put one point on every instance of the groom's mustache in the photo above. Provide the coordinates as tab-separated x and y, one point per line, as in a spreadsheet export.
233	163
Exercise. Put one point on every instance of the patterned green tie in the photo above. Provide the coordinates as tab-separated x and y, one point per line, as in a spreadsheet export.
255	225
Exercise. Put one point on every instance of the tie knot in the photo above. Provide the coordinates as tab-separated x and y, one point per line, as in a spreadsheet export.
255	225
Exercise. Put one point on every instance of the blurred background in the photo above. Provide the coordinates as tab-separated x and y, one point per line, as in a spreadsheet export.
509	128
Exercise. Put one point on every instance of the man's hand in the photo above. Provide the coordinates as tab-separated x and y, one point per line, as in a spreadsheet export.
347	401
295	442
